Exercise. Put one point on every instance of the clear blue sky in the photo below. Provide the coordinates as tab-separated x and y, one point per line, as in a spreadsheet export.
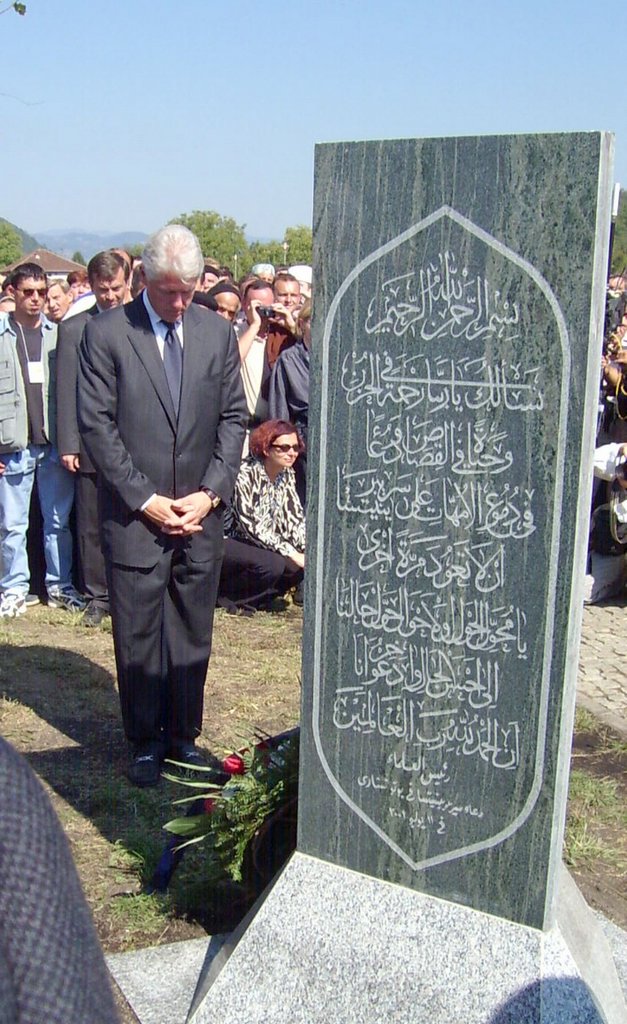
121	114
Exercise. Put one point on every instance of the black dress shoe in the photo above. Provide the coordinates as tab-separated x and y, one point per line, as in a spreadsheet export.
145	768
94	614
189	755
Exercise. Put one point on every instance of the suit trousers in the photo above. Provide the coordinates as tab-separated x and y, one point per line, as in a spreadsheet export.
91	558
162	625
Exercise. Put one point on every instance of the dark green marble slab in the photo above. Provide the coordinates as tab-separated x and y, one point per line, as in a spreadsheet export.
459	291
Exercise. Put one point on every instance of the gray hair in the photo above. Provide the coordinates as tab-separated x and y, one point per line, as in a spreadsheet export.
63	285
173	250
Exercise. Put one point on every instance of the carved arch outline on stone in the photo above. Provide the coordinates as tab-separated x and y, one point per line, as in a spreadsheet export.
543	285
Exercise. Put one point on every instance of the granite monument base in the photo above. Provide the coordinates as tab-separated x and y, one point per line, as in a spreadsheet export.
158	982
328	944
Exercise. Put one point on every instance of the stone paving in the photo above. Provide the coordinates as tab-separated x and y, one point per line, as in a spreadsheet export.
602	676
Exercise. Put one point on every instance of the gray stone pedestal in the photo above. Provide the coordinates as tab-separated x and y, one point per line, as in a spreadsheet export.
328	944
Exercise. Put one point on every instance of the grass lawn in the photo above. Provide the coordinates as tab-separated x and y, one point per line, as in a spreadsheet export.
59	707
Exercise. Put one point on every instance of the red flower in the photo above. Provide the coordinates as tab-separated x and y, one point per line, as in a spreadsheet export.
234	765
209	804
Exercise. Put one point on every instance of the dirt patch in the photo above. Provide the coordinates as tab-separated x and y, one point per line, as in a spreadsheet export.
59	707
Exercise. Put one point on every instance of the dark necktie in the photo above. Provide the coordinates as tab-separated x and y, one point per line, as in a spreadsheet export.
173	363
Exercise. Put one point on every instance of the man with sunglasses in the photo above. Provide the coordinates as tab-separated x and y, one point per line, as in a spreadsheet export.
27	447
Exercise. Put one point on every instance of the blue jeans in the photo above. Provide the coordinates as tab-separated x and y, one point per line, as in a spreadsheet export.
55	486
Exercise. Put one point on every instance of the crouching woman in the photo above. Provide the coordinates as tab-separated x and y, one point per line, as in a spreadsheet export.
264	552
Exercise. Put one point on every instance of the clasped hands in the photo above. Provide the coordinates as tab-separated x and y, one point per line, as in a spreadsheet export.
179	516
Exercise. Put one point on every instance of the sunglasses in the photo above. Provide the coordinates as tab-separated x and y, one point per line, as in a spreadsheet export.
286	447
29	292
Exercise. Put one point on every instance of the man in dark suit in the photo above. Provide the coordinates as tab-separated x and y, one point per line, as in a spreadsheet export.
108	276
162	415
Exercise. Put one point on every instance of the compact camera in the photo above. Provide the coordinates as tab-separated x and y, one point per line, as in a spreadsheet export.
266	311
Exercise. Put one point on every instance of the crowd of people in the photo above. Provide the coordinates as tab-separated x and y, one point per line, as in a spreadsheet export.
166	404
270	312
606	573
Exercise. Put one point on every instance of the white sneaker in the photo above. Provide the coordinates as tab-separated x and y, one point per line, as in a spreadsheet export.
12	604
66	597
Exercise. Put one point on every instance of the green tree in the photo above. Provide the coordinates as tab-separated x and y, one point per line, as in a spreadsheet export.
19	8
300	243
10	245
221	238
266	252
295	248
79	258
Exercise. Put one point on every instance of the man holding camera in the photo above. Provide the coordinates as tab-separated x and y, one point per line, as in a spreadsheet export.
270	328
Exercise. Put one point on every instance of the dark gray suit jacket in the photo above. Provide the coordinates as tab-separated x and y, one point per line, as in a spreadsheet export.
130	430
51	967
69	336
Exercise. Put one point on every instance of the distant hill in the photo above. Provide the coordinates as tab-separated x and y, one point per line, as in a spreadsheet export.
28	242
66	243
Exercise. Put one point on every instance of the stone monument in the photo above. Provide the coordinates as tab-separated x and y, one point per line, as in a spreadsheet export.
459	289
